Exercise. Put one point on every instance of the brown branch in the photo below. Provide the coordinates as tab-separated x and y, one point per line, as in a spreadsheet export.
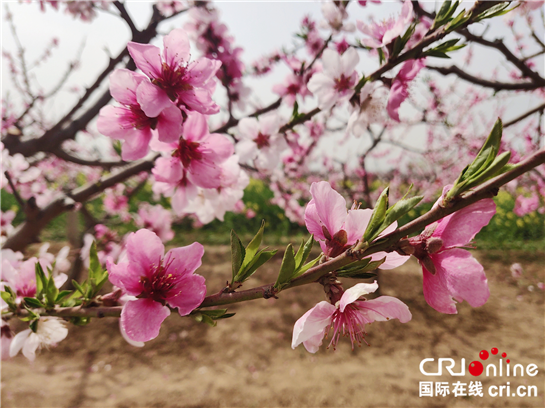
27	232
501	47
15	193
525	115
125	16
62	154
497	86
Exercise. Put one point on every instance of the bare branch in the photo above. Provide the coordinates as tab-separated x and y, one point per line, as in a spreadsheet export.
62	154
525	115
15	193
497	86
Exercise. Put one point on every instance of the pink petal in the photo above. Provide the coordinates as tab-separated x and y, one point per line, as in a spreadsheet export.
195	127
152	99
144	251
169	124
202	70
123	84
459	228
312	221
184	260
217	147
385	308
464	276
313	323
191	293
147	57
137	145
168	170
141	319
355	224
115	122
398	93
123	277
204	174
176	48
330	206
437	294
393	259
355	292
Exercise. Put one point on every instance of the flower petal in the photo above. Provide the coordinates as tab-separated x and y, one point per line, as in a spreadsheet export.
141	319
176	48
385	308
313	323
18	342
355	292
152	99
144	250
356	223
330	206
191	292
459	228
147	57
464	276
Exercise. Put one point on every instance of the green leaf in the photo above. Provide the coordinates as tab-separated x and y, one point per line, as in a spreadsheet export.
493	170
62	294
287	269
303	252
494	11
51	292
398	210
473	174
253	246
95	269
33	302
305	267
360	269
260	258
41	280
377	218
217	314
80	288
6	297
34	326
237	254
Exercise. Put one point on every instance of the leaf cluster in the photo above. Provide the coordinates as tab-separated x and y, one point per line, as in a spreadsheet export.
293	264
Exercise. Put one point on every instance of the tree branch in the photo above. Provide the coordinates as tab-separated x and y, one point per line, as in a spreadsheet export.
525	115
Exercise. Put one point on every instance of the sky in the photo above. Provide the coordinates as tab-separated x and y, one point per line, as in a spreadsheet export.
259	27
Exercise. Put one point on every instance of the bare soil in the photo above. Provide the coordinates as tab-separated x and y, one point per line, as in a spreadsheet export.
247	360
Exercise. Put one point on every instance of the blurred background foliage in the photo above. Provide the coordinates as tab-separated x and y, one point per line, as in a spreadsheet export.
505	231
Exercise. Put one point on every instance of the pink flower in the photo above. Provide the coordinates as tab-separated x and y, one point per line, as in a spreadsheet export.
336	83
130	123
516	270
172	79
388	30
347	317
525	205
336	229
198	155
451	274
156	280
399	90
157	219
261	142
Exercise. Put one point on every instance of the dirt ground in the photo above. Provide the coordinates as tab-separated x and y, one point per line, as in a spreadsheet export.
247	360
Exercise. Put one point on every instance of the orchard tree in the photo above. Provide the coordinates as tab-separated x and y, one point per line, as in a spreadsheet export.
448	99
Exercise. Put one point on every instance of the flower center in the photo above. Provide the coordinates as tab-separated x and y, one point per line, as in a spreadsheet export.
172	81
187	151
159	286
262	140
349	323
343	83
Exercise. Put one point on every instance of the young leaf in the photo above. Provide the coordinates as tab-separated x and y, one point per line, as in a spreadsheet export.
305	267
259	259
237	254
95	269
51	292
360	269
253	246
287	269
80	288
377	218
41	280
33	302
62	294
303	252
